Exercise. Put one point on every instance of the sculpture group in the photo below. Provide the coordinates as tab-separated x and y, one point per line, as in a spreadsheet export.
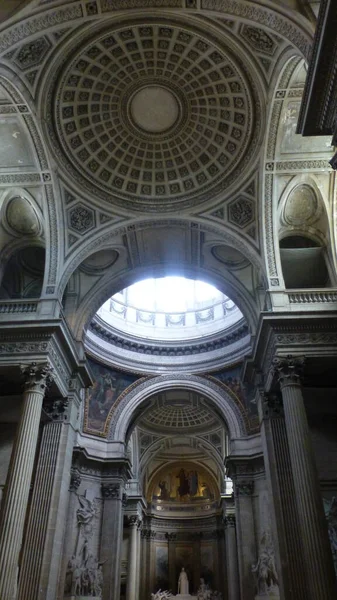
84	578
84	575
265	569
206	593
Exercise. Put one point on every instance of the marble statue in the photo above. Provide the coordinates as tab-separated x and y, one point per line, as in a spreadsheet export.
204	593
84	576
265	569
183	585
161	595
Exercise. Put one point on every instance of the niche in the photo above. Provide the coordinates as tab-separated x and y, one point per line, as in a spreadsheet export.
24	272
303	263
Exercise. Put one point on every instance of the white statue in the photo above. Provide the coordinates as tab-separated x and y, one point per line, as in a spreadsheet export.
161	595
265	569
204	592
183	586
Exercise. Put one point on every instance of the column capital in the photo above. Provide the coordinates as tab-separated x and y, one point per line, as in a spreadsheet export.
272	405
230	520
75	481
133	521
244	488
171	537
289	370
111	491
56	410
37	377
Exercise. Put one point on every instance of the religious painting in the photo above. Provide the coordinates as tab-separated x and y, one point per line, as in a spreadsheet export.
108	386
184	558
186	483
207	564
162	572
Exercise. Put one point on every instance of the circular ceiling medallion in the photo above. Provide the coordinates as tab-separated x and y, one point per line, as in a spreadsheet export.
154	109
153	116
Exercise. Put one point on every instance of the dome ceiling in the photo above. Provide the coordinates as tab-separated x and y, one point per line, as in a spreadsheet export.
154	115
179	411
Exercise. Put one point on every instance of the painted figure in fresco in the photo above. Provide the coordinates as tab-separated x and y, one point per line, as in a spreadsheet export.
183	488
183	585
164	493
193	483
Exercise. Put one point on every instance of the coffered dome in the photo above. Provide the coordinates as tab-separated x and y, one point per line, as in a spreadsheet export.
153	115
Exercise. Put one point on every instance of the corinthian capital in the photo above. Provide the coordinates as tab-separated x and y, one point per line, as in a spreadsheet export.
289	370
37	377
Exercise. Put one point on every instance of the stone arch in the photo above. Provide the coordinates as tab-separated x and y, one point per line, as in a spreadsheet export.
123	274
122	416
18	96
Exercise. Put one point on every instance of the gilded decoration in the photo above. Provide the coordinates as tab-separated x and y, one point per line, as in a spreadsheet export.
183	483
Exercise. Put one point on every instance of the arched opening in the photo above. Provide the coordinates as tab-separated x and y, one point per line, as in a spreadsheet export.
179	443
24	273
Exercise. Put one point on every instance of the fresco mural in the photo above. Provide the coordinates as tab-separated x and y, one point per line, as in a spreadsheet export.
109	385
245	393
183	483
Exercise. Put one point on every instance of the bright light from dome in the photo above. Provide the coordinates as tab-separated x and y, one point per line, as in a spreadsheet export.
170	308
170	294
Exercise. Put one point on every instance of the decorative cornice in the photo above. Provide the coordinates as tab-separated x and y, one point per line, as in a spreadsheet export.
166	348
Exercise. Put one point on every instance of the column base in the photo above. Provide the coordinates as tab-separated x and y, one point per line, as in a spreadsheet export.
271	594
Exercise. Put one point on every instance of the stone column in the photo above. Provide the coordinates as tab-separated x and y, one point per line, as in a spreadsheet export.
245	536
131	591
232	559
312	524
16	494
43	549
285	521
111	539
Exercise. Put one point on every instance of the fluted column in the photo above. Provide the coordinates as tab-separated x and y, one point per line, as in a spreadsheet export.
286	533
45	529
131	592
111	539
232	558
313	529
16	494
